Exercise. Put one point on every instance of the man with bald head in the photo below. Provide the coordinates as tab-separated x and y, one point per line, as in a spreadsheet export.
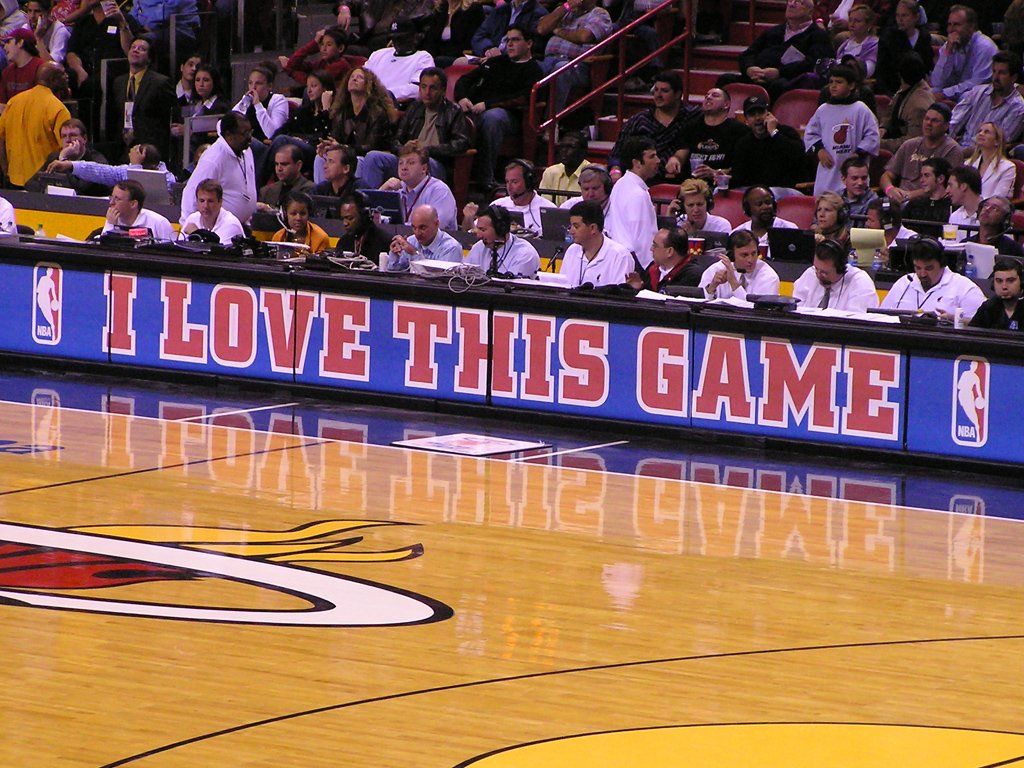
427	241
30	126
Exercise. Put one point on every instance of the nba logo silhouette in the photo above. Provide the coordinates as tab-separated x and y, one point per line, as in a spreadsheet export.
970	401
47	292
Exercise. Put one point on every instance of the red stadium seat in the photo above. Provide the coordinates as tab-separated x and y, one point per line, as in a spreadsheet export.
794	108
1018	183
876	167
730	206
454	72
663	195
799	209
740	92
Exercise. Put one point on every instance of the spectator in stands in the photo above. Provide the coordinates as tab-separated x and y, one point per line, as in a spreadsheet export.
1005	310
564	176
288	172
831	282
1013	27
377	20
22	63
840	129
211	215
759	204
493	96
208	101
105	33
229	160
997	102
884	215
741	271
995	220
857	192
632	219
595	185
311	122
363	236
339	172
488	39
917	291
154	19
126	210
693	204
574	27
185	90
68	11
930	201
497	251
909	105
522	196
831	219
266	111
965	60
74	140
783	57
663	123
140	156
362	113
297	207
434	121
902	181
30	126
418	187
593	258
674	263
450	29
770	152
709	141
989	157
965	195
402	64
144	101
51	35
906	35
862	42
330	44
427	241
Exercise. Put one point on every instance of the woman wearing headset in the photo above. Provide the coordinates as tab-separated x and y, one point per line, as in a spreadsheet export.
692	206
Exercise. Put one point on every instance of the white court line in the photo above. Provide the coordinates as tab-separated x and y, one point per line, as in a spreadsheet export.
570	450
232	413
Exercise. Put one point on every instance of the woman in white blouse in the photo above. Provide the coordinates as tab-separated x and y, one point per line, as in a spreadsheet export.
267	111
997	172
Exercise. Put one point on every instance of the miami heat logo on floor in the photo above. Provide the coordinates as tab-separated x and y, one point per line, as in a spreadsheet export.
59	569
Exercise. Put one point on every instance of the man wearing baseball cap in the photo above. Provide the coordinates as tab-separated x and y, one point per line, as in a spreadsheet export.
399	66
22	62
770	153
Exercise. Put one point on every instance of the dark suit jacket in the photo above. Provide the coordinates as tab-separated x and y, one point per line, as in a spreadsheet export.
154	104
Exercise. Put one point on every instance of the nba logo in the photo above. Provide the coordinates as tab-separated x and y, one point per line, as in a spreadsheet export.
970	401
48	289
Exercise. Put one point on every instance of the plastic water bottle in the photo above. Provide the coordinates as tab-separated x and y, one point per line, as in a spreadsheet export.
851	260
568	236
876	261
970	268
40	232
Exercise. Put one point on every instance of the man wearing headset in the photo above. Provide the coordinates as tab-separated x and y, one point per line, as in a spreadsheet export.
741	272
759	204
595	186
592	257
831	283
362	236
1004	310
521	185
497	251
211	215
692	204
933	287
995	219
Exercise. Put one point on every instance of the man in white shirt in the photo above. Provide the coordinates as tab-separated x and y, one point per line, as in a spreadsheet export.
521	185
126	211
418	187
427	241
497	251
398	66
759	204
632	219
593	258
933	287
211	215
831	283
229	161
964	188
741	272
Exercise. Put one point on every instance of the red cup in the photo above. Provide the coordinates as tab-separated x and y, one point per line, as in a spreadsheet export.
695	246
762	251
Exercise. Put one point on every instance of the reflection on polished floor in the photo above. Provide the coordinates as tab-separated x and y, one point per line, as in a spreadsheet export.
204	593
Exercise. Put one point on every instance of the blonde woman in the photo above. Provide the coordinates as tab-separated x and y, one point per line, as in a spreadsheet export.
989	157
831	219
862	42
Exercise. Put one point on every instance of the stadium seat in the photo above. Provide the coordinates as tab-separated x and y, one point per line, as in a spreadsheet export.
730	206
794	108
799	209
740	92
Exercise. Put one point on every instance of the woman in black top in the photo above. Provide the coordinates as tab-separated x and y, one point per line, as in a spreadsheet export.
906	35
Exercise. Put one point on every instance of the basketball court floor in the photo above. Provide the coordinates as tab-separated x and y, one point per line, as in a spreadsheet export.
194	578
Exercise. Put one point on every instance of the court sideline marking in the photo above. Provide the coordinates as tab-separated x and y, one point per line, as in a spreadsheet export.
232	413
569	450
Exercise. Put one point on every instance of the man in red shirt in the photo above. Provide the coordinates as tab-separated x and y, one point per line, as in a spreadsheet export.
23	61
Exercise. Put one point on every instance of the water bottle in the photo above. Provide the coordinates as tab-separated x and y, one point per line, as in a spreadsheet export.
851	260
876	261
970	268
40	232
568	236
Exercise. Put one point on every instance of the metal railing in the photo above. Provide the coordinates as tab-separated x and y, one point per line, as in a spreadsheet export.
621	39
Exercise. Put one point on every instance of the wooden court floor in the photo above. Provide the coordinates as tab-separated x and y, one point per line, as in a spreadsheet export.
192	594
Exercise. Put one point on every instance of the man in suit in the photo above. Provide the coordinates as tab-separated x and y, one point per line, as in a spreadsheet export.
143	101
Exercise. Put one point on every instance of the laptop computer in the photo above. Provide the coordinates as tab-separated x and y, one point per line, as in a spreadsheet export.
154	183
713	240
387	203
794	245
553	223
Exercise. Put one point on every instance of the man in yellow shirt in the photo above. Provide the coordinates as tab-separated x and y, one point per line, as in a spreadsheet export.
30	126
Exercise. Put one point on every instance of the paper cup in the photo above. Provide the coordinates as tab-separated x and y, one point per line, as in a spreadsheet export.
695	246
762	251
949	231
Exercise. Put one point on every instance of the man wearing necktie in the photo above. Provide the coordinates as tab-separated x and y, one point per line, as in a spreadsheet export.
418	187
831	283
144	100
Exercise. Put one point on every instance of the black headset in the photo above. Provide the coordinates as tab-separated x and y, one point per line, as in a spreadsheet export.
501	220
606	178
929	248
1007	223
834	251
842	216
529	172
709	195
746	199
